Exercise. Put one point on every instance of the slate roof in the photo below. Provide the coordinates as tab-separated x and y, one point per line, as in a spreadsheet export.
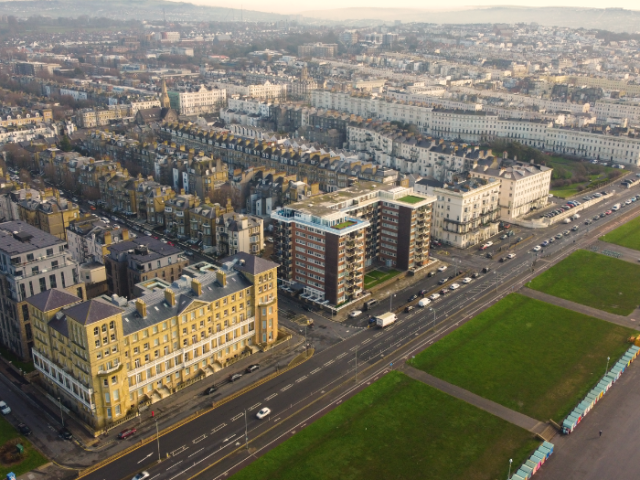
92	311
252	264
52	299
37	238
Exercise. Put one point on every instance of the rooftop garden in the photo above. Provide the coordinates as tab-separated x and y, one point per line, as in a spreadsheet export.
410	199
342	225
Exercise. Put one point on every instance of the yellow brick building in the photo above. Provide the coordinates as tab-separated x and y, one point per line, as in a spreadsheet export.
107	357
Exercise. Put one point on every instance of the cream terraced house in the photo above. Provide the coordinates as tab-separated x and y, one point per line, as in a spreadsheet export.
107	358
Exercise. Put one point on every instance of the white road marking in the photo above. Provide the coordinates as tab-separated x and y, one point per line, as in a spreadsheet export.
353	348
328	363
179	450
341	355
286	388
366	341
219	427
315	371
253	407
200	438
145	458
174	465
378	334
228	438
240	415
301	379
270	397
195	453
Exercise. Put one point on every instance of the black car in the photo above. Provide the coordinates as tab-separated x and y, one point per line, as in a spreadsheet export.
486	270
475	275
444	291
423	292
408	308
431	273
252	368
503	259
489	255
65	434
24	429
413	297
209	390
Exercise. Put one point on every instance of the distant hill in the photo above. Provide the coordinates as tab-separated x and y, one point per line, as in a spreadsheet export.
613	19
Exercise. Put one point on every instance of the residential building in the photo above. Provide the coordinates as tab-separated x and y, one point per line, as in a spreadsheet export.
89	239
202	222
51	214
524	186
31	261
325	242
266	90
134	261
108	357
237	233
201	99
318	50
467	210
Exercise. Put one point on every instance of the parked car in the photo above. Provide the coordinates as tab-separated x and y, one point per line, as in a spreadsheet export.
355	313
442	281
444	291
127	433
424	302
422	293
504	237
252	368
235	376
475	275
209	390
24	429
575	228
486	269
566	233
431	273
559	236
545	243
4	408
65	434
263	413
489	255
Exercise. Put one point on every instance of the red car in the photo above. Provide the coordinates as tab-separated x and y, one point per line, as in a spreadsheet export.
91	207
126	433
608	212
171	243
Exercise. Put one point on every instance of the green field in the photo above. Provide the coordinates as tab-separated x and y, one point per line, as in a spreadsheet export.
401	429
527	355
410	199
627	235
32	458
573	170
376	277
595	280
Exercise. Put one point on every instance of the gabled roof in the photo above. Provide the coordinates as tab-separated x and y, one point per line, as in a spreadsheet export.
92	311
52	299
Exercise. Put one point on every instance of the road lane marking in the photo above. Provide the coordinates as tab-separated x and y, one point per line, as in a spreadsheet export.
240	415
219	427
353	348
253	407
145	458
341	355
286	388
228	438
328	363
301	379
195	452
366	341
270	397
315	371
378	334
200	438
178	451
174	465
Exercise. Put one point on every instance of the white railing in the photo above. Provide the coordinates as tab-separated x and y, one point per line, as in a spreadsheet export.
189	348
38	357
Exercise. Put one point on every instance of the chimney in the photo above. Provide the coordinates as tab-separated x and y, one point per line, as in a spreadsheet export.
170	297
221	277
141	307
196	286
108	240
125	234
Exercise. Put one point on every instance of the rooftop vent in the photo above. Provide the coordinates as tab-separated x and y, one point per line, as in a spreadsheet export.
24	237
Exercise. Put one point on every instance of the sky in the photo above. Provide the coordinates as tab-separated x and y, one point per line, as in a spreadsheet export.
296	6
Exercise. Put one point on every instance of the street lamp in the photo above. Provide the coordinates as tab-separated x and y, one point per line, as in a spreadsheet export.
434	316
391	297
605	370
510	460
157	438
246	431
61	417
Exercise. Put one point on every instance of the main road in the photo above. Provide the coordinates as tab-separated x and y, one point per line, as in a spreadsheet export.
204	441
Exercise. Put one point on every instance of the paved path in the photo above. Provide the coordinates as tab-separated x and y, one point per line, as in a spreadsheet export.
628	254
631	321
494	408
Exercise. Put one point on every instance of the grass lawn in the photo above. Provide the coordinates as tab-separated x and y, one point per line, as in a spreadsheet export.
627	235
342	225
32	457
595	280
527	355
376	277
572	167
398	428
410	199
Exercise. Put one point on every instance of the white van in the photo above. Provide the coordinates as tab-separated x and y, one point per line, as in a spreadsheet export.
424	302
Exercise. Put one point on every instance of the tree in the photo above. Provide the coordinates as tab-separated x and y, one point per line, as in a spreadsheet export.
18	156
65	144
227	191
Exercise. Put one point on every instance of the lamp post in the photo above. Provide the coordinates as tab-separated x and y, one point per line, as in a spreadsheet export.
391	297
61	417
246	431
605	370
434	315
157	438
509	474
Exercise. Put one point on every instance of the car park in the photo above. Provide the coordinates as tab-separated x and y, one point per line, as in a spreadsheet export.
466	280
4	408
408	308
434	296
252	368
235	376
442	268
209	390
24	429
127	433
454	286
355	313
263	413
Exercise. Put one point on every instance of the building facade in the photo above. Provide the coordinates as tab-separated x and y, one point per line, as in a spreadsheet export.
237	233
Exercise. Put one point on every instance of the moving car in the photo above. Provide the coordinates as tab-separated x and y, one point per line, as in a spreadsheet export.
127	433
454	286
545	243
466	280
475	275
252	368
442	281
511	255
537	248
235	376
486	245
434	296
4	408
24	429
424	302
422	293
355	313
442	268
209	390
65	434
413	297
408	308
141	476
263	413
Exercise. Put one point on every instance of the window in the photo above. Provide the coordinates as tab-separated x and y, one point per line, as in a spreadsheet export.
108	412
52	281
107	398
43	284
117	410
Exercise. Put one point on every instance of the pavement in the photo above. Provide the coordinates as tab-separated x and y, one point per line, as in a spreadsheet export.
585	455
627	254
630	321
511	416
